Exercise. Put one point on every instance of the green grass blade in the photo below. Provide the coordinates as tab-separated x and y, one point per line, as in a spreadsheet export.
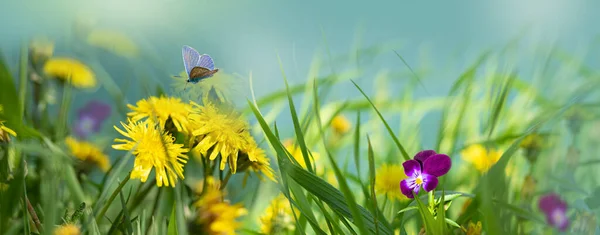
126	218
172	227
413	72
283	161
358	219
23	78
372	179
297	128
500	103
331	196
357	145
389	129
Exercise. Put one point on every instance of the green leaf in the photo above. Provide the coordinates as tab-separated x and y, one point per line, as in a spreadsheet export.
389	129
430	223
408	208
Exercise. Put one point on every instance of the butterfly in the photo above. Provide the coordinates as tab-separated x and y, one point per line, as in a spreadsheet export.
197	67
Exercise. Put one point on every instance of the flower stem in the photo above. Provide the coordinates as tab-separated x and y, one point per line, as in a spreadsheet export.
225	181
112	197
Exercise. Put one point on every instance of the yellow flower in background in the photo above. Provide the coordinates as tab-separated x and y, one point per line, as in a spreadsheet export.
70	70
113	41
216	216
87	152
223	132
277	217
387	181
296	152
532	141
152	148
480	157
340	125
40	49
474	229
258	161
162	108
3	187
67	229
331	178
5	132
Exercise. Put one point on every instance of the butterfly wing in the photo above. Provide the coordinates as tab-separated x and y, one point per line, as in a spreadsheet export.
206	62
191	58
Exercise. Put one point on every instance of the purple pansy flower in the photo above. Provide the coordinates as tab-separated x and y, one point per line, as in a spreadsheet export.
423	171
555	210
90	118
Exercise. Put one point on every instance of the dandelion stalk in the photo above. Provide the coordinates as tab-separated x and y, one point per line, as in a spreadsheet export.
226	180
112	197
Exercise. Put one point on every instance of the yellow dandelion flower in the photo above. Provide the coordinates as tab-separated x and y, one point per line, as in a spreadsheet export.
474	229
387	181
162	108
277	217
331	178
258	161
216	216
340	125
6	132
3	187
482	158
224	134
113	41
70	70
87	152
152	148
41	49
67	229
296	152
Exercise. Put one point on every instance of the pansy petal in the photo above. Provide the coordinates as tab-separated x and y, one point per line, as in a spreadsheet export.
405	188
437	165
548	203
423	155
429	182
411	168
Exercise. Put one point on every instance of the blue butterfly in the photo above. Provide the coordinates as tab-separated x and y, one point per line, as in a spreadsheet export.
197	67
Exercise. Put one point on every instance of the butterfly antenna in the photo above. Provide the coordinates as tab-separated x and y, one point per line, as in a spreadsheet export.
185	87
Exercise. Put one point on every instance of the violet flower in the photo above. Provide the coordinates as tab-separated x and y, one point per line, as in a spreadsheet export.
555	210
90	118
423	171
